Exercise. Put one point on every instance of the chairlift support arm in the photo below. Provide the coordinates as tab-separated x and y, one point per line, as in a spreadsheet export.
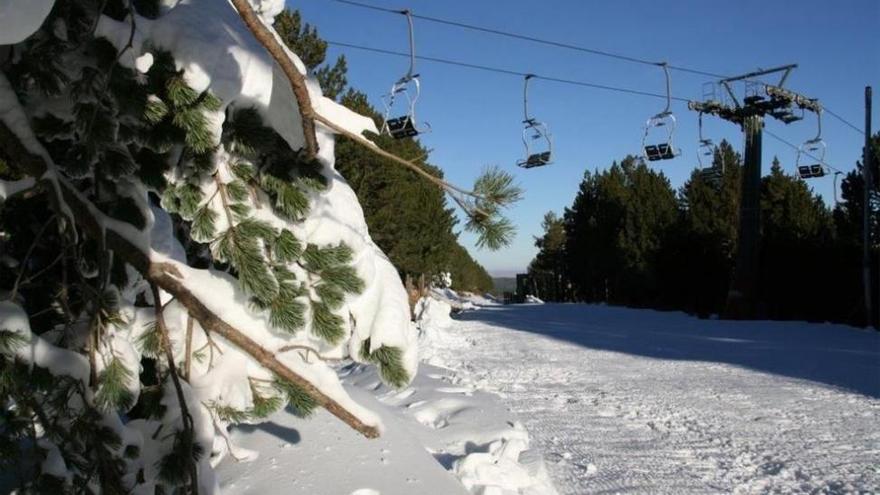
412	48
668	87
526	118
785	69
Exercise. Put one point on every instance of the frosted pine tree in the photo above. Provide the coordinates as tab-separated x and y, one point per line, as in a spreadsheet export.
177	253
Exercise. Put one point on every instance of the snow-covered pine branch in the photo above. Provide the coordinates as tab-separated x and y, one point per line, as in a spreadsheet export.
255	246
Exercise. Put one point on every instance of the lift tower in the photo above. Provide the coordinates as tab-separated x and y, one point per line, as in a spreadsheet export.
779	103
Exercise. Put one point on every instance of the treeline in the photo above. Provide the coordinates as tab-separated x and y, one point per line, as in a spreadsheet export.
630	239
408	217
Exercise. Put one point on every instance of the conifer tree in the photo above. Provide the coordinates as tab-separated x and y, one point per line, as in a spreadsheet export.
697	257
614	232
797	230
547	270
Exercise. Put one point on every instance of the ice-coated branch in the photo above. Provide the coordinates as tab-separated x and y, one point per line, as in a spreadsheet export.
297	81
167	277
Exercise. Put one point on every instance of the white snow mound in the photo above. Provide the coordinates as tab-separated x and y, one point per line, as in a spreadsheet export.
19	19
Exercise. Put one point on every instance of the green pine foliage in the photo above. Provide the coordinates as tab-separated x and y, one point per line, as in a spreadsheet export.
467	274
389	360
630	239
298	401
495	190
113	393
266	399
124	128
547	271
614	232
10	342
174	467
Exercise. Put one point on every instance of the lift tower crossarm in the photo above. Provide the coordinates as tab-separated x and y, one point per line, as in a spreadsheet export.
790	97
785	69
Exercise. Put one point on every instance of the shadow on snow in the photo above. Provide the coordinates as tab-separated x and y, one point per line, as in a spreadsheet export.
836	355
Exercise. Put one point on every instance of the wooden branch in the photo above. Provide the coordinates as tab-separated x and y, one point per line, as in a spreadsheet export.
442	184
166	276
297	81
185	416
187	364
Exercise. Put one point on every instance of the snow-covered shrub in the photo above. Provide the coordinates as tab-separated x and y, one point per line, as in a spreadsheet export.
180	264
177	252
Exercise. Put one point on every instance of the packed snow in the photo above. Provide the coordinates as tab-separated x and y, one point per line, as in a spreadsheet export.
443	437
622	400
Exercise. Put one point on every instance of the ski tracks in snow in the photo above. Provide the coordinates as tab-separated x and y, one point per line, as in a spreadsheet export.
611	421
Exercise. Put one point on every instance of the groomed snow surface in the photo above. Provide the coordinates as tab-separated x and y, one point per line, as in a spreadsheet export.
609	400
441	437
638	401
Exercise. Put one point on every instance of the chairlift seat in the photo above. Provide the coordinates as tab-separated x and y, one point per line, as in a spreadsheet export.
536	160
661	151
402	127
811	171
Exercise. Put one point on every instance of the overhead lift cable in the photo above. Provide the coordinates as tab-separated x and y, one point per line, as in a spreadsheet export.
516	73
508	71
532	39
559	44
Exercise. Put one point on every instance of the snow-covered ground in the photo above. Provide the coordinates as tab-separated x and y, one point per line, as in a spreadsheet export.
442	437
608	400
639	401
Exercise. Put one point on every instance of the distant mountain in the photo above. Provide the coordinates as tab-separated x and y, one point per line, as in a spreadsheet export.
503	284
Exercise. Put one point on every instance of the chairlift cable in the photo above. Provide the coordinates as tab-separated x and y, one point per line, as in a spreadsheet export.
546	78
508	71
532	39
559	44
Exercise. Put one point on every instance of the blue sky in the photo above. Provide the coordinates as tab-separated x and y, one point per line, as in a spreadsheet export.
476	115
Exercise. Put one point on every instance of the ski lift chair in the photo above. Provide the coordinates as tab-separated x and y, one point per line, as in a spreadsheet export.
532	132
408	88
403	126
535	131
811	170
712	173
812	148
664	150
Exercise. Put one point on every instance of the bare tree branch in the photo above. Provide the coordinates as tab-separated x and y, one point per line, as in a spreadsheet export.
297	81
185	416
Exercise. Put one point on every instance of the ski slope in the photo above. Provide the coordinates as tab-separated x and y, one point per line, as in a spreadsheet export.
638	401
